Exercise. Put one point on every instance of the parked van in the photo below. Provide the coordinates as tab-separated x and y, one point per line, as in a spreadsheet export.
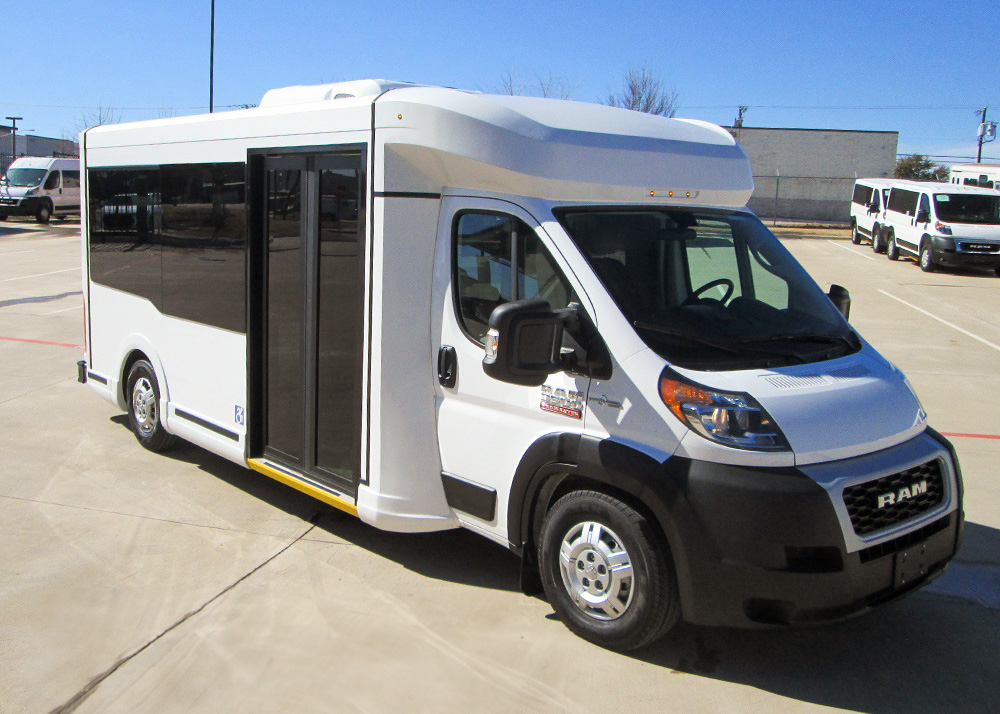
41	187
867	210
552	323
982	175
944	225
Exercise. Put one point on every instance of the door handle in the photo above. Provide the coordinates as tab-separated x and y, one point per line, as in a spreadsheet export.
447	366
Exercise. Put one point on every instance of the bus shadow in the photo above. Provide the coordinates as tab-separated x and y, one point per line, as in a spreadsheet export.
458	555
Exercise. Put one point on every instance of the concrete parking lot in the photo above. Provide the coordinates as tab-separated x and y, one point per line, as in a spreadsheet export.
136	582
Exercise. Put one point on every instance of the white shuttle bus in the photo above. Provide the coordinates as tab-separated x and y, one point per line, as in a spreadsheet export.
552	323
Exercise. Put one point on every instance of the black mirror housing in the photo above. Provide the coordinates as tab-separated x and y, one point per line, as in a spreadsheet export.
923	217
523	345
841	299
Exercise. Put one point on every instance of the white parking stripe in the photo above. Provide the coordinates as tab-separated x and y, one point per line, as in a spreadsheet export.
942	321
849	250
75	307
17	252
25	277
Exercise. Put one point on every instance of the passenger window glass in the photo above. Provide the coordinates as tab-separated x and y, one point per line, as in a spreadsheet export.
925	204
52	181
71	179
484	246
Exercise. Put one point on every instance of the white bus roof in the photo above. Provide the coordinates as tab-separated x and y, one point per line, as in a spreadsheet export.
433	139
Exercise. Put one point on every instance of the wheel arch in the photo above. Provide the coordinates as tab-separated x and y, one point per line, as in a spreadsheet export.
558	463
136	348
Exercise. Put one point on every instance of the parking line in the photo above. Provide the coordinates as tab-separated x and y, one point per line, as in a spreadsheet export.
41	342
66	309
25	277
971	436
942	321
849	250
17	252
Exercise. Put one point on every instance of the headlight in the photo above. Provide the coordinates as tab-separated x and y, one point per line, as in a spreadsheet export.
728	418
942	228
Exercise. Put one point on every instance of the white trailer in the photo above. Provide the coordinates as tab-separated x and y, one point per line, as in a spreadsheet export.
552	323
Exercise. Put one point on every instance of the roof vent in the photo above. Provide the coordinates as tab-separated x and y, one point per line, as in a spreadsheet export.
325	92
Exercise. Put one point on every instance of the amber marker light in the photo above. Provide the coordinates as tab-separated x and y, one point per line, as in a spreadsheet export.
399	116
652	193
676	394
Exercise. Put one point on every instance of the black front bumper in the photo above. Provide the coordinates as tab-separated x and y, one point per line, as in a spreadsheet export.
946	255
766	547
19	207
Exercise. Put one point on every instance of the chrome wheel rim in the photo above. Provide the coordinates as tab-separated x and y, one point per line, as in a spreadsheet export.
144	406
925	258
596	570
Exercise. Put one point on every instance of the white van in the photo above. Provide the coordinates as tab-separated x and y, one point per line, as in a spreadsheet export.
868	209
41	187
552	323
943	224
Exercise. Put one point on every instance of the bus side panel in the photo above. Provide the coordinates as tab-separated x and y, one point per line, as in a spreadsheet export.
404	492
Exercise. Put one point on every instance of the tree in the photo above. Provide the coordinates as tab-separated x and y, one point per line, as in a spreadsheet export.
643	91
543	86
918	167
95	116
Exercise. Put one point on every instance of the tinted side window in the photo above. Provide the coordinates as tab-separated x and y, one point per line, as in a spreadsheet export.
51	181
862	195
71	179
203	237
903	201
124	245
498	258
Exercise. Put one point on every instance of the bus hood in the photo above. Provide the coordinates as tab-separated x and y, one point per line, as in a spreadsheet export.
832	410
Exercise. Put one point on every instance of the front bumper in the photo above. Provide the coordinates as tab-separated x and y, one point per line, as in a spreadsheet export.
19	206
777	547
957	253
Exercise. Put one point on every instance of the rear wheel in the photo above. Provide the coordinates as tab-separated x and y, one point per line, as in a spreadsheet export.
3	216
143	393
926	257
855	234
605	571
892	250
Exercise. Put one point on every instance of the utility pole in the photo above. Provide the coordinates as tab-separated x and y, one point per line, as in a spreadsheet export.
211	65
13	135
738	124
986	129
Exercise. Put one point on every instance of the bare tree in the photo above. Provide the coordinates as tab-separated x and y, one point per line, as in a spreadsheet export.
94	116
547	85
645	92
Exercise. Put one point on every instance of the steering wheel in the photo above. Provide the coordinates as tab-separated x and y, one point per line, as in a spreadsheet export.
694	297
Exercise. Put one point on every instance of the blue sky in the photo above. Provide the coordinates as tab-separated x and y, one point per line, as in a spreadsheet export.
918	67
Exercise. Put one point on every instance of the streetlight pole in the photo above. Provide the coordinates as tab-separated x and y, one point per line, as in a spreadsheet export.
211	64
13	135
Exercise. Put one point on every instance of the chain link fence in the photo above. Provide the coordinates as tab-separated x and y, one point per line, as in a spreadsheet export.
5	161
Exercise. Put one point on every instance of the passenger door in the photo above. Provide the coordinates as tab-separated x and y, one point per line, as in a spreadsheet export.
491	252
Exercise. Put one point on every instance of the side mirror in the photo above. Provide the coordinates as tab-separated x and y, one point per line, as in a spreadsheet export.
524	342
923	217
841	299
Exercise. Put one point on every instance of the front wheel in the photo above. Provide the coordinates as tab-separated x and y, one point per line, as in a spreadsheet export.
892	250
144	408
878	242
855	234
43	213
926	258
606	573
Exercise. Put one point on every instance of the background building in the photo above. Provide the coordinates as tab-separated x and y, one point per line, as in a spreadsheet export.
30	145
808	174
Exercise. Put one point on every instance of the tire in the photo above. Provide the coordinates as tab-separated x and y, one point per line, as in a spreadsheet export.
43	213
3	216
926	257
878	242
892	250
855	235
586	538
143	396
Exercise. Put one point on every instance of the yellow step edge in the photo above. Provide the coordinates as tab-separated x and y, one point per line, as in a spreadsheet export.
303	486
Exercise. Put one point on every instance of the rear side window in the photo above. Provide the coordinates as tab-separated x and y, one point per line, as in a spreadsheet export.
498	258
862	195
71	179
903	201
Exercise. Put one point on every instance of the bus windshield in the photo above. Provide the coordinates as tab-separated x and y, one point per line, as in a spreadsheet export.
967	208
709	289
25	177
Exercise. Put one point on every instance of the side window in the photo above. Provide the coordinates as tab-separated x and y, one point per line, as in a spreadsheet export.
925	204
51	181
497	259
71	179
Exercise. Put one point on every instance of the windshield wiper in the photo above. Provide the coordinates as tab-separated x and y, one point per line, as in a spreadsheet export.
798	337
690	336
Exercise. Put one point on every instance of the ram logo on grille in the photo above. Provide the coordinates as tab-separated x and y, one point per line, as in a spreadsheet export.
907	492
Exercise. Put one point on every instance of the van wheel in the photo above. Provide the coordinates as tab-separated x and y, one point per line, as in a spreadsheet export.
144	408
3	216
44	213
892	250
606	573
878	242
926	257
855	234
